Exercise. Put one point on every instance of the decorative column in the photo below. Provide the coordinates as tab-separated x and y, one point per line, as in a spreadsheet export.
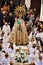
28	3
41	12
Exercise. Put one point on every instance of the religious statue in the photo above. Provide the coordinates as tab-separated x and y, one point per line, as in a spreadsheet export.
19	34
20	10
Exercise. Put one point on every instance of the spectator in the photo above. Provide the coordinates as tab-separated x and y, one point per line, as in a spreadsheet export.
12	6
39	62
1	18
6	28
6	60
10	19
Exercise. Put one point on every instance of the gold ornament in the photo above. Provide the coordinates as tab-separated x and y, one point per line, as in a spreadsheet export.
20	11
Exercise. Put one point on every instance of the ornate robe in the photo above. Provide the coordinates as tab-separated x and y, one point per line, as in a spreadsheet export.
19	34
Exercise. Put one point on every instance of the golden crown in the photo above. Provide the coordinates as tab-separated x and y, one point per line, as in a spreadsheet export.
20	11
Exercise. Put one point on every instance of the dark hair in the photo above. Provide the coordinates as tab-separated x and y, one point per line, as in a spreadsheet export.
6	55
0	48
1	40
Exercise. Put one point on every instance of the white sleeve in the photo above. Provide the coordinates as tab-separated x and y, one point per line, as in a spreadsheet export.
3	28
9	29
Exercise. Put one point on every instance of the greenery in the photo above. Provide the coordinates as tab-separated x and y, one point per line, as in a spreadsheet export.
21	56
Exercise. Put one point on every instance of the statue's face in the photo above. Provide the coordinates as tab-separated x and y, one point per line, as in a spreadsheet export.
15	19
20	16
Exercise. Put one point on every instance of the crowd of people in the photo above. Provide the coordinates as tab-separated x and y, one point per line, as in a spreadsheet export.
35	35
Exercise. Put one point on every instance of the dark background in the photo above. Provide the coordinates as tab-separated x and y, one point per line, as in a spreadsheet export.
34	3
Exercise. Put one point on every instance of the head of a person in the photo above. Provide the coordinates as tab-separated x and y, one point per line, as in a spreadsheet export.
41	30
11	45
10	14
32	39
27	24
0	44
32	15
6	23
2	34
11	2
34	45
5	4
40	57
34	9
31	10
32	63
3	21
6	55
38	47
11	63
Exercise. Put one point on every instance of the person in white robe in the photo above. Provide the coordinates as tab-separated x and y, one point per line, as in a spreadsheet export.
32	49
1	57
39	61
38	34
32	57
41	36
6	60
1	53
5	39
31	42
11	52
6	28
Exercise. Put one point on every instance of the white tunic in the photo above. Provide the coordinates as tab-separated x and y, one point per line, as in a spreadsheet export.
11	54
32	58
38	35
1	56
39	62
32	50
5	61
41	36
6	29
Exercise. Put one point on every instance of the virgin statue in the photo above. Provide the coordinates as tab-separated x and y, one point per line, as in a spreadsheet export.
19	34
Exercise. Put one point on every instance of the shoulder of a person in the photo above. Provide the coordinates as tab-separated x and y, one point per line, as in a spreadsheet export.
3	59
3	25
8	26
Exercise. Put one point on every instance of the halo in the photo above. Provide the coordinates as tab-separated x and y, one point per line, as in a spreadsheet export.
20	11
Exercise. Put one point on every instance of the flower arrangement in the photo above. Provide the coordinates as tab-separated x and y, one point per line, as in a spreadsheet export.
21	56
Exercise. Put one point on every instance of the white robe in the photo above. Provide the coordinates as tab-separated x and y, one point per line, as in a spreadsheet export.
39	62
11	54
6	29
32	58
5	61
38	35
32	50
41	36
1	56
5	44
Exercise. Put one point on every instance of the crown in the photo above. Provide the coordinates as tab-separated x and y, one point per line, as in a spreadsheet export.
20	10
